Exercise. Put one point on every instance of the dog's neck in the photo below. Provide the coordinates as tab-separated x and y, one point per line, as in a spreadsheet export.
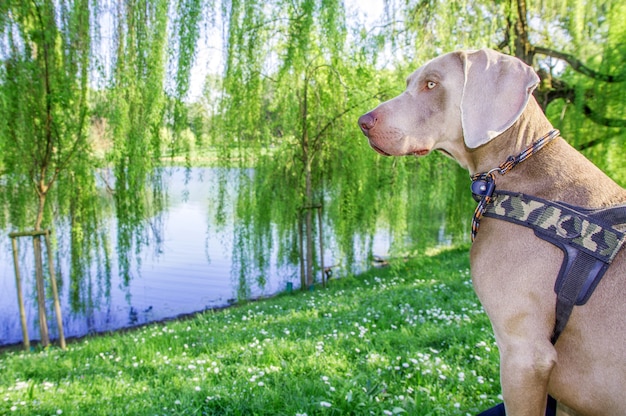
530	126
556	172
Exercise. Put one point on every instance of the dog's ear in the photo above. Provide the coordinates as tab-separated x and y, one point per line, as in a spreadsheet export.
495	93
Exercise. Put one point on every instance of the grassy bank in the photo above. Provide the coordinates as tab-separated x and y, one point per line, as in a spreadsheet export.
407	339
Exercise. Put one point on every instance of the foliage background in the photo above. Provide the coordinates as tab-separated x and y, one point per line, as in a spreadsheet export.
95	100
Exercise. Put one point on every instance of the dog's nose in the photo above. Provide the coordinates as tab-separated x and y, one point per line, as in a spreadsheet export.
367	122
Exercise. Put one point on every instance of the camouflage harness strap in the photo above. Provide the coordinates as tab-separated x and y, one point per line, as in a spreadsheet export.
589	239
589	231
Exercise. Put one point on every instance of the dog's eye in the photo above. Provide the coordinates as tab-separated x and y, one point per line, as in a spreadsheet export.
431	84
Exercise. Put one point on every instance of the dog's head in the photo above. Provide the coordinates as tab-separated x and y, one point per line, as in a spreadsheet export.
456	101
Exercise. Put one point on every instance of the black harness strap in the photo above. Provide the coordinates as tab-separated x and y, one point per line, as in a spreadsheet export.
588	239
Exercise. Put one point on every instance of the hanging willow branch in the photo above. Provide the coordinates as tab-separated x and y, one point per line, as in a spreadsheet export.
558	89
604	121
579	66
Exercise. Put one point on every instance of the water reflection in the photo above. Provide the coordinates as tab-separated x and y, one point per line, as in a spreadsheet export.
186	268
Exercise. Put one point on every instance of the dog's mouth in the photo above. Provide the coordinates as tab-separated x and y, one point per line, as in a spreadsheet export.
379	150
417	153
421	152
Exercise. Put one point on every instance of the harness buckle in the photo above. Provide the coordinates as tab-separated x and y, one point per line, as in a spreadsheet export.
483	187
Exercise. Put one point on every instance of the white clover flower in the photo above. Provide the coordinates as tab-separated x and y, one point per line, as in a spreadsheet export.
325	404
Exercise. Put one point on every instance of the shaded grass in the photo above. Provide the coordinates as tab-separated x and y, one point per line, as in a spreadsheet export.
408	339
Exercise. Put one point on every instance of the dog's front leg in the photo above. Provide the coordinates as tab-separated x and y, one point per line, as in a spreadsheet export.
526	355
519	299
524	372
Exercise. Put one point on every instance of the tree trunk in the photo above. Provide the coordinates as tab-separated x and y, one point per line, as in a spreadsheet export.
20	297
55	291
301	246
41	292
309	226
308	191
321	238
523	48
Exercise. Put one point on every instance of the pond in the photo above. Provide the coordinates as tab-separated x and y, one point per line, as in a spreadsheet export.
187	267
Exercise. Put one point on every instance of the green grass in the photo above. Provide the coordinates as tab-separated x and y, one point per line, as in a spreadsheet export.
408	339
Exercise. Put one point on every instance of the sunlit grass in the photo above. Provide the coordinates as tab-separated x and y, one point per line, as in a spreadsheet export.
408	339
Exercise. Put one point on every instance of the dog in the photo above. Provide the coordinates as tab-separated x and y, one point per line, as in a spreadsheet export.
477	107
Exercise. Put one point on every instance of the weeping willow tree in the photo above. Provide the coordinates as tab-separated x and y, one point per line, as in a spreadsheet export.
297	76
44	89
45	127
288	90
61	80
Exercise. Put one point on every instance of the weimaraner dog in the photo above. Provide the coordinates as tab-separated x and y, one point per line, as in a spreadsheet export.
477	107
